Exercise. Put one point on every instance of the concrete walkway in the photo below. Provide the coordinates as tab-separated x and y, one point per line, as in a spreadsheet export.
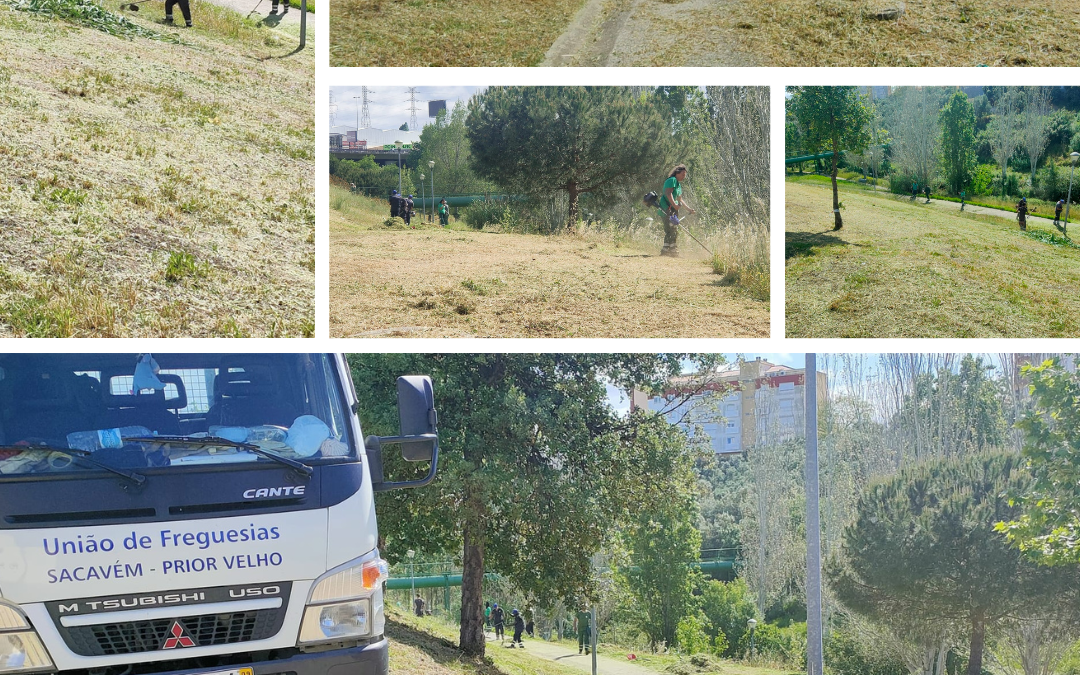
553	651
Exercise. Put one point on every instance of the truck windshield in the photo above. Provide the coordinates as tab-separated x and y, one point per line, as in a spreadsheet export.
140	411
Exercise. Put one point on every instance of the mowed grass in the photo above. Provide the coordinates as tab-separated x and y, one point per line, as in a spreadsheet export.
903	269
457	282
155	189
445	32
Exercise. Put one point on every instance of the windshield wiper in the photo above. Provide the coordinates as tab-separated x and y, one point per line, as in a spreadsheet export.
206	441
82	456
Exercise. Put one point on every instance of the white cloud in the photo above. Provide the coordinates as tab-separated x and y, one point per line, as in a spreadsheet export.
389	105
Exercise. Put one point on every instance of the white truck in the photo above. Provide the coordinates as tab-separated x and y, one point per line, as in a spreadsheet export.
209	514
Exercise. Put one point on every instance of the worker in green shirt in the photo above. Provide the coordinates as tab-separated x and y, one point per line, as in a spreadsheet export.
669	209
444	213
584	631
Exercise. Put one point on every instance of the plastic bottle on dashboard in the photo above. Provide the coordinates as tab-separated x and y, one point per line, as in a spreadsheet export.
92	441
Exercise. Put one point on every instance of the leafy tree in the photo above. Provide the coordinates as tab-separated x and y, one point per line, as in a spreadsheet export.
445	141
536	469
404	127
663	542
691	634
958	141
370	178
1004	131
549	140
1035	131
832	117
1049	525
922	550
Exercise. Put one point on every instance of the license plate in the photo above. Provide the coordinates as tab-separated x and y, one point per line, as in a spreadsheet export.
235	671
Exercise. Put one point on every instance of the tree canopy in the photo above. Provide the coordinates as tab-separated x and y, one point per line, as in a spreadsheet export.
536	469
958	141
545	140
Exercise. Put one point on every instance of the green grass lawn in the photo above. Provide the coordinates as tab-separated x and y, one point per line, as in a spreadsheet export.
903	269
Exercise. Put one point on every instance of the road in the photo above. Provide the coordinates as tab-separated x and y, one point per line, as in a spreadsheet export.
605	665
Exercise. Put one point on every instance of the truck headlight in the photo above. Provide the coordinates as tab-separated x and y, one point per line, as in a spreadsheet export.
346	603
21	650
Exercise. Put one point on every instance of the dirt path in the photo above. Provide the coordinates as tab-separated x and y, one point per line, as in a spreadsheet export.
605	665
441	283
649	33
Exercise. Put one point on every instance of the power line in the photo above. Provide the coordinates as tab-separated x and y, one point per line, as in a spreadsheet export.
365	112
412	108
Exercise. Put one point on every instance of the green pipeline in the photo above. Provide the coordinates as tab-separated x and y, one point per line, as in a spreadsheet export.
718	567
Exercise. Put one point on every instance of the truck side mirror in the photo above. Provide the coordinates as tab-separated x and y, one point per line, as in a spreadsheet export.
419	437
416	410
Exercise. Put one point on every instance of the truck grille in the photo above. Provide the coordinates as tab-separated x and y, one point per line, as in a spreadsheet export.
148	636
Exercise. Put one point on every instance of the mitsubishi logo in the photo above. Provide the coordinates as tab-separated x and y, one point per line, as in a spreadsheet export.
178	638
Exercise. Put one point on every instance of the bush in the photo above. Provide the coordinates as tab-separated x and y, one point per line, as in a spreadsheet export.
785	646
983	179
1012	184
481	213
846	655
727	606
690	635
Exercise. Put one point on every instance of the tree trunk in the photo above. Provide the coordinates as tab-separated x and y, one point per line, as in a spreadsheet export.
471	638
572	218
978	637
839	222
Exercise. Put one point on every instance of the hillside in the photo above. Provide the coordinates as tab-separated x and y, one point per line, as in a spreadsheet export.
458	282
156	181
900	268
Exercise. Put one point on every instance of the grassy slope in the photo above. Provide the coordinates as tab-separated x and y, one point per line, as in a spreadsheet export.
447	283
898	269
442	33
117	155
429	647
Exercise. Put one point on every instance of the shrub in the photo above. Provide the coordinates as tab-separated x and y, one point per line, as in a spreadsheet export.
983	179
727	606
690	634
785	646
481	213
847	655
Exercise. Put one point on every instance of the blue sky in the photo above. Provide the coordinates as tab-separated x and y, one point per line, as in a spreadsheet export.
389	105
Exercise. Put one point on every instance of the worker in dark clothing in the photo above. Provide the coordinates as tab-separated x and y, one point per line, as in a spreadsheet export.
444	213
529	625
273	9
584	631
519	626
418	605
962	193
406	214
395	204
185	9
1021	213
1057	212
497	621
926	191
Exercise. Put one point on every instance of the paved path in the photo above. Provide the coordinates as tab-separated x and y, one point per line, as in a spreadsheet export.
553	651
260	10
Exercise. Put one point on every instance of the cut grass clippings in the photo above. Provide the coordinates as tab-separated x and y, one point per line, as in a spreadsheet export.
926	32
92	15
150	188
458	282
445	33
904	269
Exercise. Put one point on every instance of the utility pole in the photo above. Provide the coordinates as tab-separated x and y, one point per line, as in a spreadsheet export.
814	662
592	636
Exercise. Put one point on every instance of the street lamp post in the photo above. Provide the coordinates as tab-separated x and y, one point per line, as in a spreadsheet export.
412	578
399	144
423	207
1068	199
752	624
431	165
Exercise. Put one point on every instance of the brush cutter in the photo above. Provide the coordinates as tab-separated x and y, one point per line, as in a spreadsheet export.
133	6
678	223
